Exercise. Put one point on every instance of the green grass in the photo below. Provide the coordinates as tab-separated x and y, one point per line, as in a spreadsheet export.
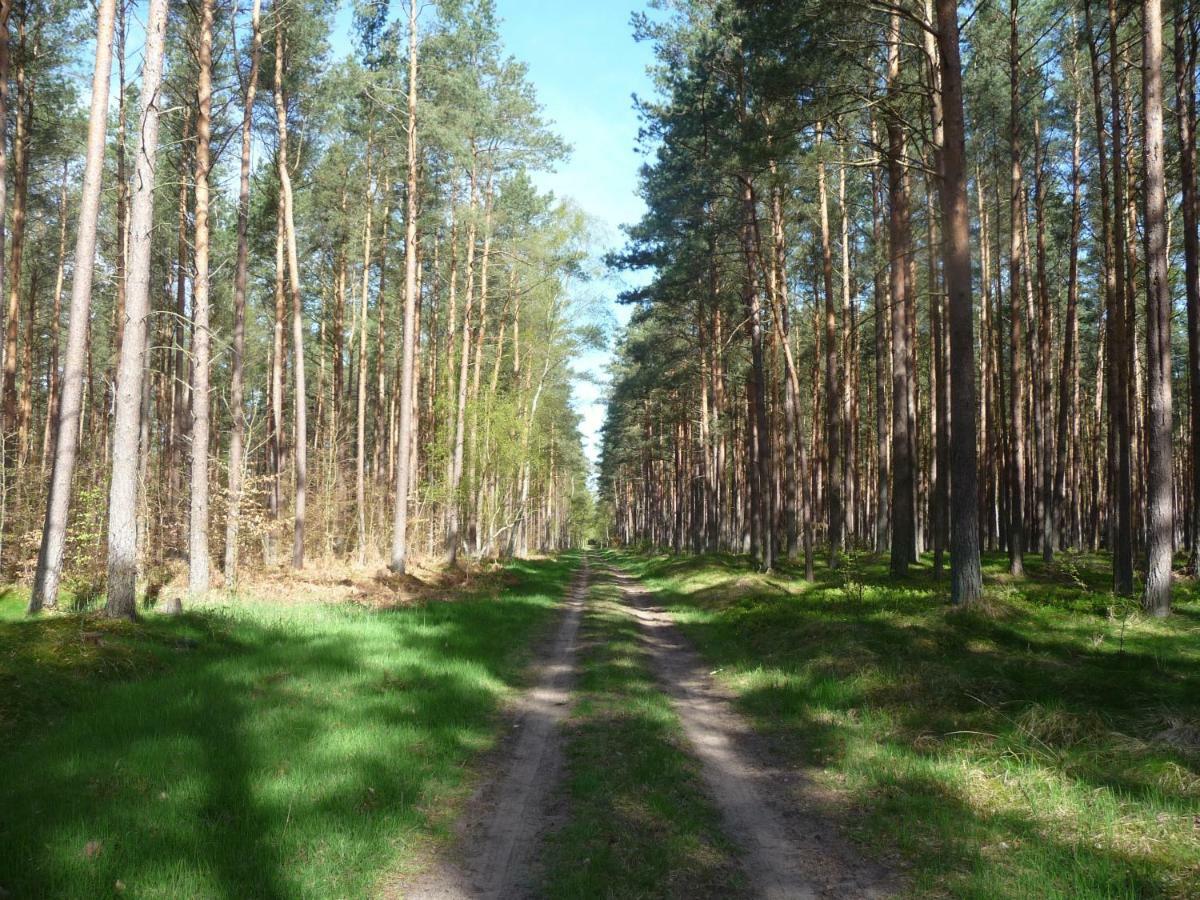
640	825
249	750
1047	744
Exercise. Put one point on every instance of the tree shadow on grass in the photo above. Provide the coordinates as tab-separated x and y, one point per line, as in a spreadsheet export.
276	759
640	825
890	689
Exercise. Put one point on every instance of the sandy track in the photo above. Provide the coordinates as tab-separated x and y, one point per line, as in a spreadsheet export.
506	819
790	850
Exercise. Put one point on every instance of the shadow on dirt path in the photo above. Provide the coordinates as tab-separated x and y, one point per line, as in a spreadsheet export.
509	815
791	850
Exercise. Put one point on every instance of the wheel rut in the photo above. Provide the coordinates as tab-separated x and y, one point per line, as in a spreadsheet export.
509	815
790	849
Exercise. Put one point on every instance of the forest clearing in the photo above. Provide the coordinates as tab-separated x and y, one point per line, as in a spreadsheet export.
460	449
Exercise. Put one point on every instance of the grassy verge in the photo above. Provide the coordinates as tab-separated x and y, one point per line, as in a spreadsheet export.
640	825
249	750
1046	745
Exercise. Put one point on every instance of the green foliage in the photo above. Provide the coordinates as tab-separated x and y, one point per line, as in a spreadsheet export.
640	823
1021	749
250	749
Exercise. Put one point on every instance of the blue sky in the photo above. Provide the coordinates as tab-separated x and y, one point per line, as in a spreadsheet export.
586	65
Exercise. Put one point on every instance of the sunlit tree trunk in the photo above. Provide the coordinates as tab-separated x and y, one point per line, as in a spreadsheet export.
1119	338
360	443
399	556
1160	505
54	531
198	556
52	366
903	506
966	580
1067	388
1185	102
1018	386
12	319
300	405
453	521
833	379
5	60
237	434
123	502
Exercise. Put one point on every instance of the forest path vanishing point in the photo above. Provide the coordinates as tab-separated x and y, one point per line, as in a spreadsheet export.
788	851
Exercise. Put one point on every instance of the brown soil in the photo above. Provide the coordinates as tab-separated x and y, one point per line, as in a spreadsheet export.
509	815
791	846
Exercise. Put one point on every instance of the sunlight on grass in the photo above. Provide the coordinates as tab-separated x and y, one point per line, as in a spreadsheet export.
641	826
1046	745
247	749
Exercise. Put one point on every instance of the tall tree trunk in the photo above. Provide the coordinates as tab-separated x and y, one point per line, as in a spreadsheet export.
360	443
178	365
1018	387
833	380
881	290
966	580
122	216
903	496
453	537
5	58
198	563
409	346
12	318
123	503
300	404
278	344
1119	339
1067	387
1185	99
52	373
58	502
1160	504
237	434
1043	358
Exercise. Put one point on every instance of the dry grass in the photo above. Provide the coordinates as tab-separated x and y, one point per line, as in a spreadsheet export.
335	581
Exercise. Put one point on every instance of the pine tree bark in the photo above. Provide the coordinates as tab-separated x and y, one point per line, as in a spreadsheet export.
198	551
300	404
360	444
833	380
58	503
12	318
1119	341
52	366
5	62
399	557
123	502
237	434
1160	502
1067	386
903	506
453	524
1018	386
966	580
1185	101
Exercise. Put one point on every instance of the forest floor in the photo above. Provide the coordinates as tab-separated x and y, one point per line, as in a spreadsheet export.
635	726
1046	744
251	747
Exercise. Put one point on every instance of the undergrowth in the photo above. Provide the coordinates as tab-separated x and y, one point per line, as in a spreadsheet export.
250	749
1046	743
